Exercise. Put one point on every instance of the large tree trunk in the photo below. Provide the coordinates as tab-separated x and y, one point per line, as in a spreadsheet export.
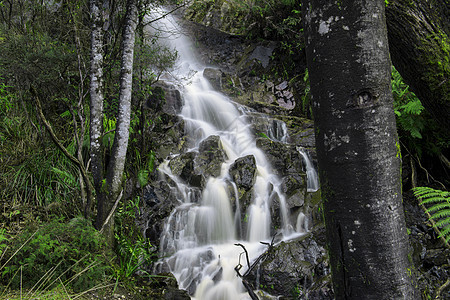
96	102
359	165
114	176
420	50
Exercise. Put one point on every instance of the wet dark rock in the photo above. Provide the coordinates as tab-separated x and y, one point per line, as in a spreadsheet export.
262	54
183	166
243	172
211	156
165	97
214	77
165	287
157	203
165	136
293	186
297	269
284	158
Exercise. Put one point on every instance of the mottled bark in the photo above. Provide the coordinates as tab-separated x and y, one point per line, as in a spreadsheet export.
419	43
114	176
349	67
96	103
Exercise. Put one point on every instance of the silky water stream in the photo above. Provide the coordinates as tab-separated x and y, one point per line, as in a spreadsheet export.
199	237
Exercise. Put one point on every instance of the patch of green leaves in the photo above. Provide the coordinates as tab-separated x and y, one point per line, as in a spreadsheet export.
306	97
5	99
3	240
407	107
42	177
68	252
417	129
133	250
437	204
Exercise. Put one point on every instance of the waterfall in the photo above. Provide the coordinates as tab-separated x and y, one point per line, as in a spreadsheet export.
311	174
199	236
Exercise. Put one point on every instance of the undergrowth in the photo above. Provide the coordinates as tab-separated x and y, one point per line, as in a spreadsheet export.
134	252
418	131
69	254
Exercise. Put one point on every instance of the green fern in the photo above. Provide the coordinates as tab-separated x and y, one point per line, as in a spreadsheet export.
437	205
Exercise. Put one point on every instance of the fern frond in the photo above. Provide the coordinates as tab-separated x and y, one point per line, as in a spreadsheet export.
441	214
438	207
443	222
439	210
445	233
433	199
426	192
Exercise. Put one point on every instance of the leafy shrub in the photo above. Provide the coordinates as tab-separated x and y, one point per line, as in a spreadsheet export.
418	131
408	107
41	177
437	204
72	252
3	240
5	99
133	250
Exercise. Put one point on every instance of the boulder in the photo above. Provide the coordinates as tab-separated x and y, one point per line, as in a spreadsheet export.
211	156
214	76
165	287
243	172
297	269
157	203
165	97
284	158
183	166
165	136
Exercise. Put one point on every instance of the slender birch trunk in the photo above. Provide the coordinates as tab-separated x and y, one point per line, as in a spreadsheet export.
114	176
96	103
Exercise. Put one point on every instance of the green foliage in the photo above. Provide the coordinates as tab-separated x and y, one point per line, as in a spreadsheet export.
38	59
133	250
438	206
5	99
146	168
43	177
408	107
71	253
263	135
37	48
3	240
109	127
278	21
32	170
306	109
418	131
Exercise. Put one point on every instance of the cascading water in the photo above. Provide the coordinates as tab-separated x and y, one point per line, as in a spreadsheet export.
199	236
311	174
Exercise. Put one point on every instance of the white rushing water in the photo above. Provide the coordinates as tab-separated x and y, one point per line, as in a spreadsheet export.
311	174
199	236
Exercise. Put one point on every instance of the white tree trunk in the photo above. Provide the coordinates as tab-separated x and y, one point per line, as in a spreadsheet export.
96	93
116	165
